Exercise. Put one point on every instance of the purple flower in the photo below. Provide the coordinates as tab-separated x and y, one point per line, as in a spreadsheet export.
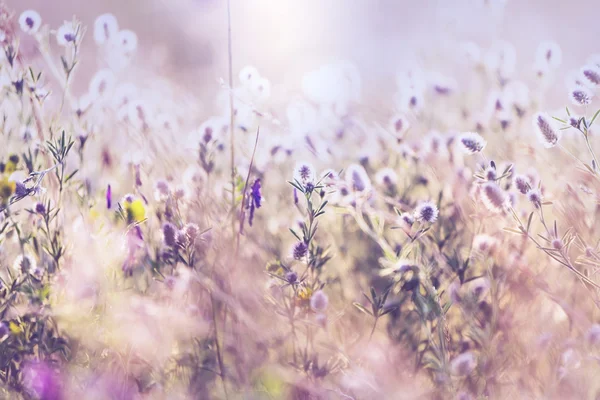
254	200
108	197
41	381
299	250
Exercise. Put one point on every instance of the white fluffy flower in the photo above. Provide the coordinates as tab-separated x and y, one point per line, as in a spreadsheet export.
30	21
105	28
472	142
66	35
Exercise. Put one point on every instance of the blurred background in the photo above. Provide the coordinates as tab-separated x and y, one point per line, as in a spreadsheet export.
286	38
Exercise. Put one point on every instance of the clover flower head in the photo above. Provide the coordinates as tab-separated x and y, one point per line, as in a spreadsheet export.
427	212
472	142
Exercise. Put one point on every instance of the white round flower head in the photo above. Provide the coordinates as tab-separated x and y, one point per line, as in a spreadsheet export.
386	177
319	301
399	124
66	35
549	53
30	21
357	178
426	212
249	74
304	173
581	96
546	130
126	40
591	73
261	88
472	142
102	83
106	27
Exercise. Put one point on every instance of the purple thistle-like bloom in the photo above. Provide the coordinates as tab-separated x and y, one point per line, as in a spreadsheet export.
169	232
109	197
299	251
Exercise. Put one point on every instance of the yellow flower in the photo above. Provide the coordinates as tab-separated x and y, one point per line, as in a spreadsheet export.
11	165
7	189
304	293
135	210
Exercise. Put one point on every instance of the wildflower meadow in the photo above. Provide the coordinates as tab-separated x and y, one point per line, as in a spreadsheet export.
418	224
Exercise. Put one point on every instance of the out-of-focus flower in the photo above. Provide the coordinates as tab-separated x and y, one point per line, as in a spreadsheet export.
67	34
549	54
102	83
592	74
105	28
547	133
299	250
24	263
109	197
426	212
248	75
535	197
42	381
134	209
522	183
581	96
319	301
255	199
357	178
494	198
127	41
386	177
463	364
30	21
593	334
472	142
169	231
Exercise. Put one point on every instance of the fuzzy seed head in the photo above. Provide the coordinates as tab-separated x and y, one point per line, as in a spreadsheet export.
592	74
547	133
535	197
472	142
494	198
522	183
357	178
581	96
